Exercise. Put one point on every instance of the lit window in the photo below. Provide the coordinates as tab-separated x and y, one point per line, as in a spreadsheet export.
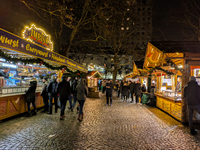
127	28
122	28
127	18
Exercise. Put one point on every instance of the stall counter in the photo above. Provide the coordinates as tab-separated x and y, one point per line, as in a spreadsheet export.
169	105
14	104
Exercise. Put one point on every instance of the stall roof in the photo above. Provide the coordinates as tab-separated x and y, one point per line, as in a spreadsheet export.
12	42
94	74
177	46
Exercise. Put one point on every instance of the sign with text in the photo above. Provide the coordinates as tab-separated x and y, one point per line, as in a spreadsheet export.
12	42
38	36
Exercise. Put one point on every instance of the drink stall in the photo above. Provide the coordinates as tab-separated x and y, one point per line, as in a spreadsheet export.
24	58
171	64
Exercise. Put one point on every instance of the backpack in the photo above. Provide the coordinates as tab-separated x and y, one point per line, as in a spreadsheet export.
54	85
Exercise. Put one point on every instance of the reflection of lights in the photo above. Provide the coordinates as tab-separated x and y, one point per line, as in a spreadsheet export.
180	66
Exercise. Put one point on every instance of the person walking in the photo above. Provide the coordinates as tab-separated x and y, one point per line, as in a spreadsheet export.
82	92
63	89
121	86
51	89
104	85
125	91
74	92
132	89
44	94
137	91
109	89
151	95
30	97
70	95
192	96
58	105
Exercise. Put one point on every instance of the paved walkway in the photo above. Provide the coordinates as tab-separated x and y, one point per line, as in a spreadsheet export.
120	126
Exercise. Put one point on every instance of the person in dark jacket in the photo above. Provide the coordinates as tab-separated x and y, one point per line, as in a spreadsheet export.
70	95
125	91
5	73
30	97
51	89
63	89
82	92
132	89
109	89
137	91
74	92
151	95
44	94
121	86
192	96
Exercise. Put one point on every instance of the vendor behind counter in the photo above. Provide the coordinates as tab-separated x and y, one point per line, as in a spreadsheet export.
5	73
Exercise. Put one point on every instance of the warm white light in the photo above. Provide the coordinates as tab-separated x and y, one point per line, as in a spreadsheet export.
122	28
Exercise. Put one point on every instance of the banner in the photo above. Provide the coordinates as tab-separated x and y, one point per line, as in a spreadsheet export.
13	42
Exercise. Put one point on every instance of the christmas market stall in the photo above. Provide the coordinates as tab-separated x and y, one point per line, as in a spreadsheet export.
139	74
169	66
93	78
24	58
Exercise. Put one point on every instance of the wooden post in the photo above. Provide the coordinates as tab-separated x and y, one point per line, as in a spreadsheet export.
185	79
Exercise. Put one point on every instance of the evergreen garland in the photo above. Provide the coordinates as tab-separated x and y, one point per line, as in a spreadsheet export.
40	61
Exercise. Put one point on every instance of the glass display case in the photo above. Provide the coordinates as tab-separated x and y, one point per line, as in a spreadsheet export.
170	87
20	77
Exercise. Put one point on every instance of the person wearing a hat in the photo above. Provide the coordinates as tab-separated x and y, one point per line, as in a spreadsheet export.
51	89
30	97
44	94
63	89
192	96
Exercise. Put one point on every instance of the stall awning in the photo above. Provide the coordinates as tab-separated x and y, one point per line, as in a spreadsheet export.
94	74
18	44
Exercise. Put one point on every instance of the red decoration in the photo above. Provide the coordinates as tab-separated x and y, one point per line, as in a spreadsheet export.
78	74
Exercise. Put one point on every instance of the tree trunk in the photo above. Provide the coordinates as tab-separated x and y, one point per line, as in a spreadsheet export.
115	68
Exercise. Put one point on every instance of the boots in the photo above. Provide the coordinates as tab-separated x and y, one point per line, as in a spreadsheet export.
29	114
80	117
35	112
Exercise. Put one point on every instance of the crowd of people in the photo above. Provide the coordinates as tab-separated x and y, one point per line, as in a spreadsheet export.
71	89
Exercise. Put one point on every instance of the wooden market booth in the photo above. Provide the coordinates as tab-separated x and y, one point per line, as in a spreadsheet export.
171	64
92	79
14	51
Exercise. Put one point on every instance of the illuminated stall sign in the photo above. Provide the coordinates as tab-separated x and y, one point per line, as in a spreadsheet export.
38	36
15	43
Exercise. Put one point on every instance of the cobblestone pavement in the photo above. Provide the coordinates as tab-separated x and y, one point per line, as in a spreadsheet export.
120	126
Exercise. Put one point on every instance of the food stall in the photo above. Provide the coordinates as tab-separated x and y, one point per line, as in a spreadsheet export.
171	64
92	79
26	57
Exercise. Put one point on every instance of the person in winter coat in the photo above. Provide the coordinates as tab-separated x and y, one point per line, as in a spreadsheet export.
137	91
82	92
125	91
44	94
51	89
30	97
151	95
104	85
192	96
70	95
74	92
121	86
132	89
63	89
109	89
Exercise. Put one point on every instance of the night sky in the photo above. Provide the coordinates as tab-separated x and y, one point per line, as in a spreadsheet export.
14	15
